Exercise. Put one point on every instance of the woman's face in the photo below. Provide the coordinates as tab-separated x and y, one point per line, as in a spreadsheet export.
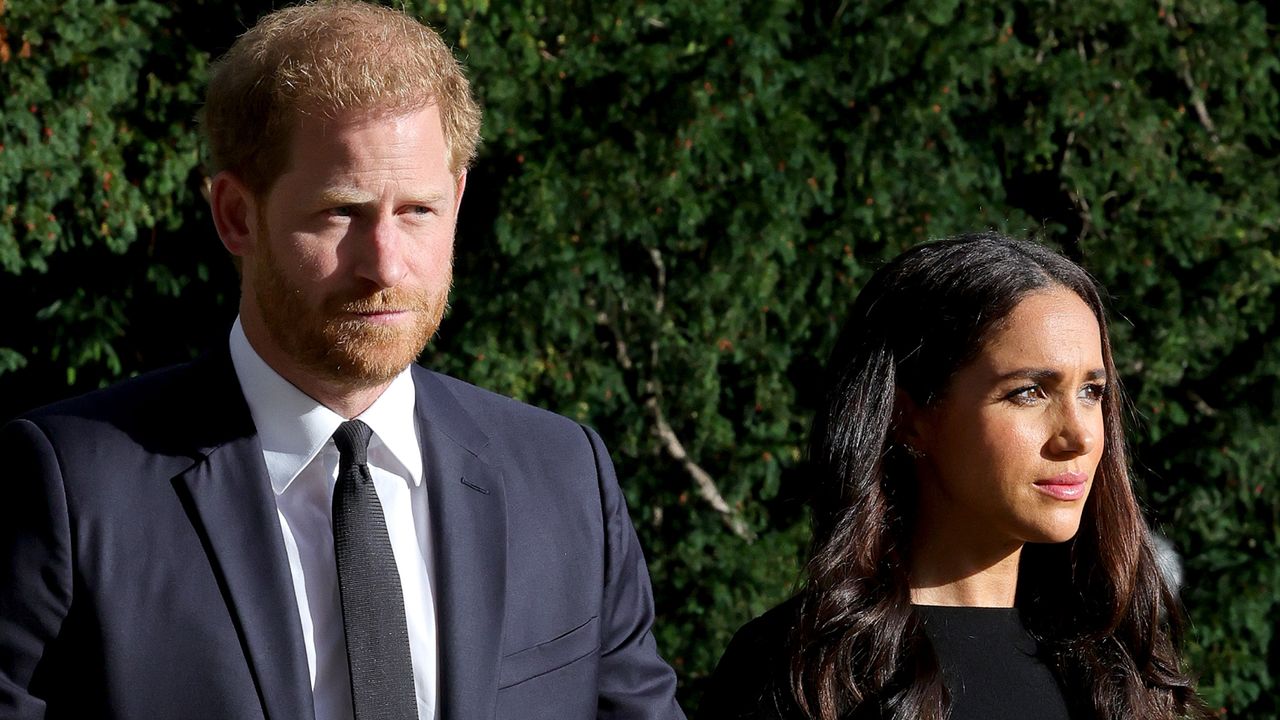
1010	450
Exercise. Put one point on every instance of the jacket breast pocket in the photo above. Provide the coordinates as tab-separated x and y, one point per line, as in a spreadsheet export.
552	655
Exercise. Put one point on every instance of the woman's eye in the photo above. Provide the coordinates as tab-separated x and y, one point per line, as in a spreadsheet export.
1028	395
1093	392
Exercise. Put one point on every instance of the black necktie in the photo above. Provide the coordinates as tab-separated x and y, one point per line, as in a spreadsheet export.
372	603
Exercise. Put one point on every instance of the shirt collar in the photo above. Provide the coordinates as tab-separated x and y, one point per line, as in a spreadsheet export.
294	428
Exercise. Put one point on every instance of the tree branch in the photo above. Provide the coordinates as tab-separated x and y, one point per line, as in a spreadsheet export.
652	393
1197	96
701	478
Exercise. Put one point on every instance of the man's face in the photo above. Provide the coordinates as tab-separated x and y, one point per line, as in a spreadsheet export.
349	275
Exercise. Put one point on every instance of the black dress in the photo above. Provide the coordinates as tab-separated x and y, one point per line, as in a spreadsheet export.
991	666
989	663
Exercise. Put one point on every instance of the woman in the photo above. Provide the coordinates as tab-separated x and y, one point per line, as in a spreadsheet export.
978	551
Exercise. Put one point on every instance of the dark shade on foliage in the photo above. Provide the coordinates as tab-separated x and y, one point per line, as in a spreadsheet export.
674	207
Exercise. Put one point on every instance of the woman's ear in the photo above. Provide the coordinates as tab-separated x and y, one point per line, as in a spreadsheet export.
910	423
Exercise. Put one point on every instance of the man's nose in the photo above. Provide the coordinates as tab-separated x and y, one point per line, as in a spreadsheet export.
382	253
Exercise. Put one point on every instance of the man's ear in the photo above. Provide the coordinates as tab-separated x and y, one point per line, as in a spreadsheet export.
457	198
234	210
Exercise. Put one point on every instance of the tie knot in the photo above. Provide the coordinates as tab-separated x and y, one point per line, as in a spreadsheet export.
352	439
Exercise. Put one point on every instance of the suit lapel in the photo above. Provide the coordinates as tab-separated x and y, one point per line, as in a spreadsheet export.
469	536
233	509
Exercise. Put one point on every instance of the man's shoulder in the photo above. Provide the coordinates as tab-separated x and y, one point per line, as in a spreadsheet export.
547	448
494	410
162	408
114	399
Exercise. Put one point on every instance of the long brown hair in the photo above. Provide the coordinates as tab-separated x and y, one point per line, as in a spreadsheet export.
1109	624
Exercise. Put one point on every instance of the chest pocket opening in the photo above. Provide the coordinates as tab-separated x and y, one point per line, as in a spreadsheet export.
551	655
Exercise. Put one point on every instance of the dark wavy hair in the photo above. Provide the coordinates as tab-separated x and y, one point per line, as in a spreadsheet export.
1098	604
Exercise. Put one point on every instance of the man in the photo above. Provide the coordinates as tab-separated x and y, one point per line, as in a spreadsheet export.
223	540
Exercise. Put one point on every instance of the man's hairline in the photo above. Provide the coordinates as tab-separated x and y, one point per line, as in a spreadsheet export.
372	113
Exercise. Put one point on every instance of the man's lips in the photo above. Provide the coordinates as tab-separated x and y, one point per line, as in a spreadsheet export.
1065	486
380	315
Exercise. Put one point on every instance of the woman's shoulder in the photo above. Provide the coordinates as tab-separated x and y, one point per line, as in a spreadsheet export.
752	680
769	631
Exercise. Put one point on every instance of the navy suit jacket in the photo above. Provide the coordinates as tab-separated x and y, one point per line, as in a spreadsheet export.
143	572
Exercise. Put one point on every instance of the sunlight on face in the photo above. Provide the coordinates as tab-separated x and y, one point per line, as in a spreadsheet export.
353	269
1011	449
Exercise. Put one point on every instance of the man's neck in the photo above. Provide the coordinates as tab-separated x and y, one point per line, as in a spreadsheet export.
348	403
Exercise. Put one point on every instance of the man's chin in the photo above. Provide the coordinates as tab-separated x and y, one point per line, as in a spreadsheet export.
371	356
364	368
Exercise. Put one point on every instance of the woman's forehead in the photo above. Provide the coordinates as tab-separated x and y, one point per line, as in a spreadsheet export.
1049	329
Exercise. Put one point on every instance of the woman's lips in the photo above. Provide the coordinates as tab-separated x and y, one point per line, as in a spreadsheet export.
1067	486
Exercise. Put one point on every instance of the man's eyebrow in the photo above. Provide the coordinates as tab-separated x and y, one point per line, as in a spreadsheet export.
352	196
428	197
343	196
1045	374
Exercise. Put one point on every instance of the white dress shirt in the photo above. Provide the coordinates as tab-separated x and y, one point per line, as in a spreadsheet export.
302	464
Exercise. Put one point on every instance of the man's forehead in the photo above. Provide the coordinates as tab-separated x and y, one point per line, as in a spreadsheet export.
317	141
356	134
325	120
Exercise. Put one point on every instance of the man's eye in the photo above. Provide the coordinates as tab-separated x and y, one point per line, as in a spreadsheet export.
420	210
342	211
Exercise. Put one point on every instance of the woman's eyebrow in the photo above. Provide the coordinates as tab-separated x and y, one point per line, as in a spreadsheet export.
1046	374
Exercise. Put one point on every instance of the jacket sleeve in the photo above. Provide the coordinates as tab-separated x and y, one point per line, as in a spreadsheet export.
35	566
635	682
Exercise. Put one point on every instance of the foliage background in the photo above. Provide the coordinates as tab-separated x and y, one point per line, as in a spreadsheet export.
674	205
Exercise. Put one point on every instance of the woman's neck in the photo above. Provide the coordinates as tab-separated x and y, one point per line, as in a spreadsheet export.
959	567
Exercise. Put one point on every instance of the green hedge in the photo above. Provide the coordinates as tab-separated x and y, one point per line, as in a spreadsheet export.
674	206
